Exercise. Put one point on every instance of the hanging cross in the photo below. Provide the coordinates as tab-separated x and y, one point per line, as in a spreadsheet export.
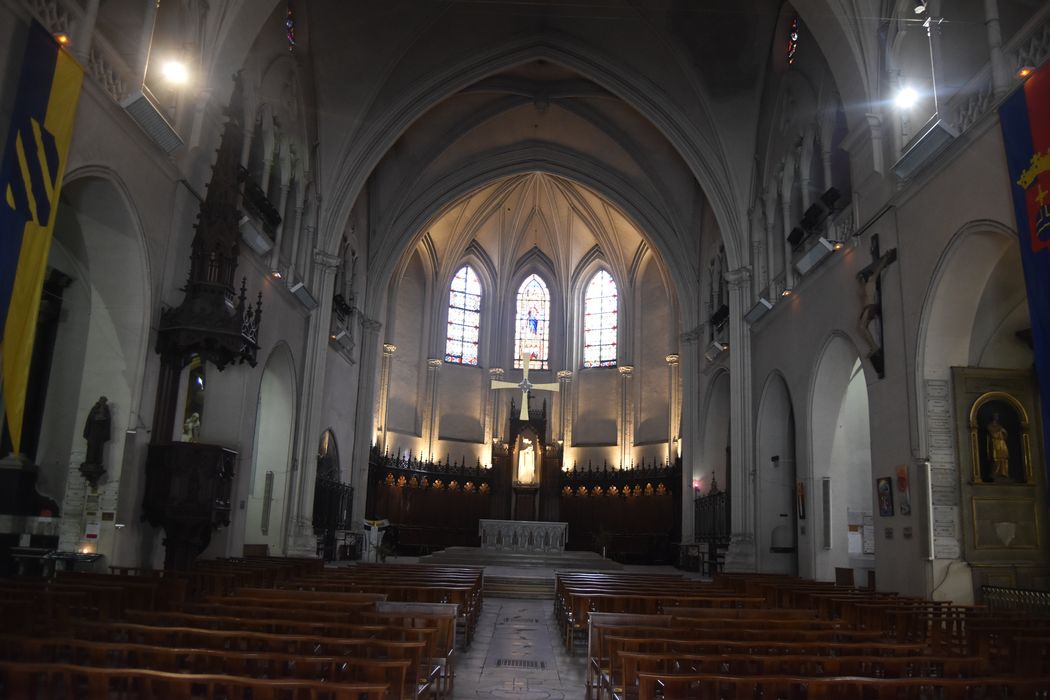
524	386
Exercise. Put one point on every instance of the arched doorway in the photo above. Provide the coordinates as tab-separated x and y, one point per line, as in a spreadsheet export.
98	349
839	492
775	473
975	338
715	464
274	423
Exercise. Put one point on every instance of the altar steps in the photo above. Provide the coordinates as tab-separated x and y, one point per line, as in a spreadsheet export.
531	588
565	561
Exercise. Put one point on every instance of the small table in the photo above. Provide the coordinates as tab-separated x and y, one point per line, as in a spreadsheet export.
70	560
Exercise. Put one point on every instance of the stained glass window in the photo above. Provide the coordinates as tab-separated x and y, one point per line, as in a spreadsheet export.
289	28
464	317
599	321
792	44
532	329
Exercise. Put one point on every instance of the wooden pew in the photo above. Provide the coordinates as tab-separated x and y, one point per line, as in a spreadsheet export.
46	681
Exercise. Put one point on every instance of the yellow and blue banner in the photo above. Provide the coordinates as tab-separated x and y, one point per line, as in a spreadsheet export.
1025	120
34	161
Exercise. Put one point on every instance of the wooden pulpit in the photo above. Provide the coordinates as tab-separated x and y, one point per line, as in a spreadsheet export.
188	487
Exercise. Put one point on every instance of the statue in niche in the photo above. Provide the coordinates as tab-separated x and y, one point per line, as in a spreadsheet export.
998	450
526	463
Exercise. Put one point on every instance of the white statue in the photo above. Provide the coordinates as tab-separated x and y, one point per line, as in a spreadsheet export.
191	428
526	464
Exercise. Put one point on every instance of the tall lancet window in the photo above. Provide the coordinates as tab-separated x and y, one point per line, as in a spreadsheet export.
532	330
464	317
599	321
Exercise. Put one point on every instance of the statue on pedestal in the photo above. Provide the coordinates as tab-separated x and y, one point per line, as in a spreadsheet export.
97	433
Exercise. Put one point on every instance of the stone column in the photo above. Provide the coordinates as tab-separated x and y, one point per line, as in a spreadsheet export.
626	415
384	394
787	183
297	233
85	32
149	20
493	425
430	406
275	255
364	418
689	371
741	555
770	204
674	406
1000	74
299	534
564	409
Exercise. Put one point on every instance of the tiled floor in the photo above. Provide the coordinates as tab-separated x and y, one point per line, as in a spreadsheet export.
517	653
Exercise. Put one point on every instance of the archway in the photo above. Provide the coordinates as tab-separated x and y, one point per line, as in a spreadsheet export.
775	466
839	490
715	462
975	316
271	465
98	350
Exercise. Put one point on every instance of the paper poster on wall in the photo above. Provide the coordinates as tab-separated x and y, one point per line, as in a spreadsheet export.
903	490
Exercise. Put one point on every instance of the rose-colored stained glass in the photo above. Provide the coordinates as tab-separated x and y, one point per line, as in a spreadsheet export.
599	321
464	317
532	327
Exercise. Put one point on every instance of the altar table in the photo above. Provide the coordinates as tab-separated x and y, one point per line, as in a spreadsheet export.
523	536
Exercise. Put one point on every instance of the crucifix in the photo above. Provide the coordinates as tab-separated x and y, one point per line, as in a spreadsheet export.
870	279
524	386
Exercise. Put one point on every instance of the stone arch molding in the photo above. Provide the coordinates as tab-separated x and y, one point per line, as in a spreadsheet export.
996	238
141	251
442	190
695	141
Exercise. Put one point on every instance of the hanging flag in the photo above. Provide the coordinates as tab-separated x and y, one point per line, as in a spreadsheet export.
1025	120
34	161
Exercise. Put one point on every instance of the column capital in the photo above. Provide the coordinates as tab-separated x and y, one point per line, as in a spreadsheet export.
739	277
625	370
496	371
672	359
690	337
565	375
389	348
435	362
370	324
326	261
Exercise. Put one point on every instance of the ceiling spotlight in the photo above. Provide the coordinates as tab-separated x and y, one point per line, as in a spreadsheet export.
175	72
1025	71
920	7
906	98
276	274
62	38
786	293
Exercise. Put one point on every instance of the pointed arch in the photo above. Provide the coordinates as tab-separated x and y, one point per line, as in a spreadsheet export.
532	322
463	336
600	320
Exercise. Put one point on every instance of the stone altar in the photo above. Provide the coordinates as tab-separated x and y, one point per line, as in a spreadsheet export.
522	536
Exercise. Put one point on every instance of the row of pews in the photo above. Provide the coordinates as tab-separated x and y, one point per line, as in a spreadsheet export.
779	637
240	628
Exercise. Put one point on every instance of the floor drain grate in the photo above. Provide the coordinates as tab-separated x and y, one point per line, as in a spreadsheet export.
520	663
533	620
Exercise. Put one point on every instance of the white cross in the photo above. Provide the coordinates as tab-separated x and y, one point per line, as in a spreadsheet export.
525	386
